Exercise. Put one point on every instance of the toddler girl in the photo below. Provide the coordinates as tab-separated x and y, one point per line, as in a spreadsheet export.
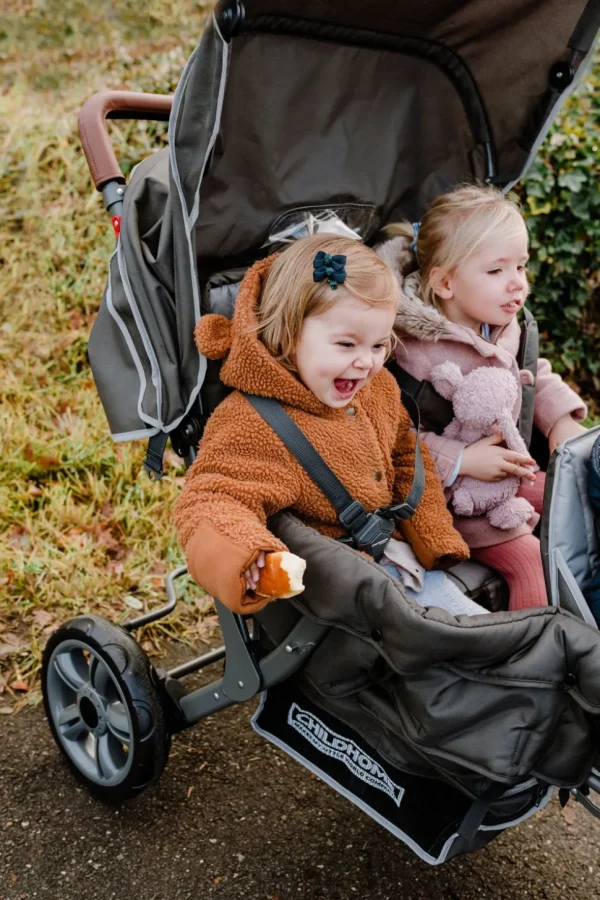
314	338
461	305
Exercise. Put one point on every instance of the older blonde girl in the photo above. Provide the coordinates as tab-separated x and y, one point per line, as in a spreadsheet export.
461	304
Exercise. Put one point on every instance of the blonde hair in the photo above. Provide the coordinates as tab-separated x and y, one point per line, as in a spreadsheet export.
290	294
455	226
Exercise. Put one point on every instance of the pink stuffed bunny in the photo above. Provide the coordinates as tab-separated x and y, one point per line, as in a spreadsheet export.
483	401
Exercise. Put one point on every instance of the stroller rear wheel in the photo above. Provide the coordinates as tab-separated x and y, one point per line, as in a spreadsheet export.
105	707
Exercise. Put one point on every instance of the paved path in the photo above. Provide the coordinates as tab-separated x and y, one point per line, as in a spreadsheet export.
232	817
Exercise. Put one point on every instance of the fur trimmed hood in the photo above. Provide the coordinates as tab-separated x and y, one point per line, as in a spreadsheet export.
415	318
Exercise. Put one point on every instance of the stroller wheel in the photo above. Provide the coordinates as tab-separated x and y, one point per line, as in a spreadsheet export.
104	705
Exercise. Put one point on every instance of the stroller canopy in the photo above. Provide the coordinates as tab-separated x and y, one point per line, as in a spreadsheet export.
380	103
369	109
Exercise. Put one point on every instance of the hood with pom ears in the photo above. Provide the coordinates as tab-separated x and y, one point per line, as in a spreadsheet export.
248	365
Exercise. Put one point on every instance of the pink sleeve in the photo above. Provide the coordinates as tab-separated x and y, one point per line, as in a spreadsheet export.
554	399
445	453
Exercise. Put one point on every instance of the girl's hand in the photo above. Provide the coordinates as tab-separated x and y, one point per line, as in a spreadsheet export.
252	574
563	428
486	461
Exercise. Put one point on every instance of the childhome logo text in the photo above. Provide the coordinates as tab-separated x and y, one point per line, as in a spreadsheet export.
327	741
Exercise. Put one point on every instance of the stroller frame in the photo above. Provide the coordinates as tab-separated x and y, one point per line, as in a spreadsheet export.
249	669
245	673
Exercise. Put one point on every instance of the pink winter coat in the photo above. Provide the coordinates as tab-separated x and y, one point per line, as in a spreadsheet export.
428	338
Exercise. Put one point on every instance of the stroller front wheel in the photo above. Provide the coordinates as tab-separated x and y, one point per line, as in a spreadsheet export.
104	706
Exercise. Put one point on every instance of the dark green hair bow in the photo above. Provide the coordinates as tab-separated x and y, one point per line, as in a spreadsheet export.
332	268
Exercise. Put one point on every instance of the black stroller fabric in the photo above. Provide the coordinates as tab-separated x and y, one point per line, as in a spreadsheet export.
433	818
369	109
444	730
474	700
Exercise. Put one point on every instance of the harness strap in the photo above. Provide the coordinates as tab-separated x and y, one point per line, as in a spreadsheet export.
477	812
527	358
437	412
154	456
351	513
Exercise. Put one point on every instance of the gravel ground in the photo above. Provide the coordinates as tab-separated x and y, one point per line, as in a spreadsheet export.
233	817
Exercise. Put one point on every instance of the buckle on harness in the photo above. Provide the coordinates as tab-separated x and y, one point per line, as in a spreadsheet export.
399	511
369	532
353	517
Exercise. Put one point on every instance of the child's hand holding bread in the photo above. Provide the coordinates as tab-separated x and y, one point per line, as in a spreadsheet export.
276	575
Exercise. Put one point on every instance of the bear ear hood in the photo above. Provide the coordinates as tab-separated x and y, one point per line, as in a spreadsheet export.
213	336
248	365
218	337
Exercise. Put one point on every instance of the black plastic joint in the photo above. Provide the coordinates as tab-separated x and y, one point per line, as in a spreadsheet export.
353	517
230	15
402	511
560	76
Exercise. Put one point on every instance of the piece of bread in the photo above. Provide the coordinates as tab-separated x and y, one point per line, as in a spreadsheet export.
281	577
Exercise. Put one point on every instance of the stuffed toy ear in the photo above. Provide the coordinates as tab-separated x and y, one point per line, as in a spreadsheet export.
213	336
509	431
446	378
526	377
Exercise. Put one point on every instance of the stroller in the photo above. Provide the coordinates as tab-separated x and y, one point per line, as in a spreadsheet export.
445	731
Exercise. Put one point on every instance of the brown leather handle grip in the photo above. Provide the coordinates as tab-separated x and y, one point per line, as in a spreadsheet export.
94	135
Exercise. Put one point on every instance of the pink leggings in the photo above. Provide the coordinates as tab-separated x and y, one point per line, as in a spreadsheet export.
520	560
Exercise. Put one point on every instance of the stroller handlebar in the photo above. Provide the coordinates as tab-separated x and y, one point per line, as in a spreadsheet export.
95	138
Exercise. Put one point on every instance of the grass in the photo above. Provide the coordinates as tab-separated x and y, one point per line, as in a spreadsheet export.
82	527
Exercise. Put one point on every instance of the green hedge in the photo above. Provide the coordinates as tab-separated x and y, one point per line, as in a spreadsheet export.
561	200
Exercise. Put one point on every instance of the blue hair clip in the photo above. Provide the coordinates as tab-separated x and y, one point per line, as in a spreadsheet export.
415	228
332	268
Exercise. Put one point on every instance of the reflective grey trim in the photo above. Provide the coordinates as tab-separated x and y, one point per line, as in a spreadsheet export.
190	220
125	332
581	72
577	604
526	815
401	835
220	97
155	370
134	435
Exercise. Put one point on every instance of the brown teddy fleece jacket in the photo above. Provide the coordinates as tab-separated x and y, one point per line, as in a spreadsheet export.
243	472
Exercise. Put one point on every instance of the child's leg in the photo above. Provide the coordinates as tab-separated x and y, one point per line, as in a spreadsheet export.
439	590
534	491
520	562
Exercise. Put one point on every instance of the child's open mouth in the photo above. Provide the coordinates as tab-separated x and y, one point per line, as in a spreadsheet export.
513	306
345	386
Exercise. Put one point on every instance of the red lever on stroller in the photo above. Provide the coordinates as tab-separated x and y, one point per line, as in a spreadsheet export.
97	146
